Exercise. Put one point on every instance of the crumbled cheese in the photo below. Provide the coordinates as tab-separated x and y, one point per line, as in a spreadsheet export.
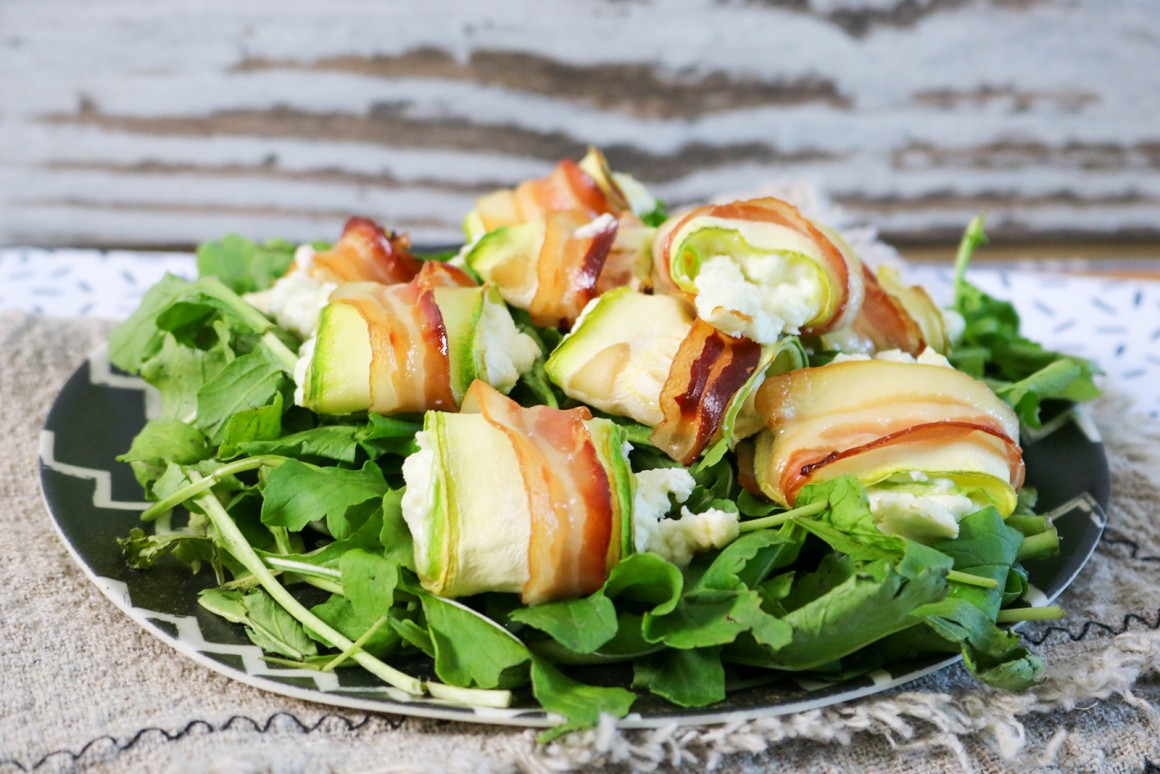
927	357
681	539
757	296
302	368
931	513
650	501
419	496
505	352
296	299
677	540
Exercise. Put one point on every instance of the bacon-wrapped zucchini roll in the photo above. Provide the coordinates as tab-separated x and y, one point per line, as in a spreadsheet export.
408	348
649	358
551	245
932	444
364	253
893	316
535	501
758	269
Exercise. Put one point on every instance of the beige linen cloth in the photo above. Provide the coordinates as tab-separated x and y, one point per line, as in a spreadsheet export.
84	688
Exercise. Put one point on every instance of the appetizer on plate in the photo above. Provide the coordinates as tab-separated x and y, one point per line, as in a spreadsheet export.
596	438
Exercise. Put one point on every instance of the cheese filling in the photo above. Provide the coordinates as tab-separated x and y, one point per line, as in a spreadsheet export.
759	296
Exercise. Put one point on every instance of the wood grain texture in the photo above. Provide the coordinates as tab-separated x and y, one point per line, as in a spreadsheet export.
139	124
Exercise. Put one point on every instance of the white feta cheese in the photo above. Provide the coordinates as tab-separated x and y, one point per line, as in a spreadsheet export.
419	496
676	540
927	357
296	299
683	538
301	368
650	501
930	512
758	296
503	351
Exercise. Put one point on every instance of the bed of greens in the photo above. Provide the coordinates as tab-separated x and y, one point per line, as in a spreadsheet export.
282	501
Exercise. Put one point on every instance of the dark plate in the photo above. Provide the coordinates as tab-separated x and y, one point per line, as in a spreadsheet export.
93	500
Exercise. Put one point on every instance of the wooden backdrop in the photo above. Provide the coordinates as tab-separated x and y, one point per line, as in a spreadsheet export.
139	123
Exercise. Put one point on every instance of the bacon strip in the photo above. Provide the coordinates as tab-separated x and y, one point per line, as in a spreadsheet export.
568	265
568	187
840	266
709	369
366	253
861	417
574	512
897	317
410	367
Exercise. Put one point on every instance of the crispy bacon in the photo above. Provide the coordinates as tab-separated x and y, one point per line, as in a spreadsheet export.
870	417
709	369
838	263
366	253
898	317
410	368
574	511
568	266
568	187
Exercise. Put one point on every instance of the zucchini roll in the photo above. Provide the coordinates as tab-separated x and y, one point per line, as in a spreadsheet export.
758	269
396	349
552	245
649	358
364	253
535	501
893	316
931	444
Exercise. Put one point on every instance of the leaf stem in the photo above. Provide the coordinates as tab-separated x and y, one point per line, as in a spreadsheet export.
286	357
1017	614
1039	546
355	646
235	543
972	238
777	519
967	579
203	484
478	697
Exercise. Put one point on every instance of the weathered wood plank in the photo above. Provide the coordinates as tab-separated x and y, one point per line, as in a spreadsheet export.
147	124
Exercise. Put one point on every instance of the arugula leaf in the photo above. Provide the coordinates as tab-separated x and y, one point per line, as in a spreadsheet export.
580	704
369	582
298	493
138	338
142	551
994	656
470	649
161	442
242	265
1022	372
582	625
352	624
339	443
249	425
395	535
248	382
845	606
388	435
178	371
688	678
267	625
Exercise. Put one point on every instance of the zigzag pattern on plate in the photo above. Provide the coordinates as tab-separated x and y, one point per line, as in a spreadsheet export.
102	492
